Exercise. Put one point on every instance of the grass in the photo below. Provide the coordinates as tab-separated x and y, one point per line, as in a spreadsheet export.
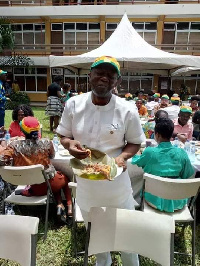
57	250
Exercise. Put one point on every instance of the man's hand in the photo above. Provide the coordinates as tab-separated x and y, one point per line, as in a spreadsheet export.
74	147
182	137
121	162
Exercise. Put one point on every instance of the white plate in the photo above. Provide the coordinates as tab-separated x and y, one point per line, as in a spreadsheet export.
119	171
64	153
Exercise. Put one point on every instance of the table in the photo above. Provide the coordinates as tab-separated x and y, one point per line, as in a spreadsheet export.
61	163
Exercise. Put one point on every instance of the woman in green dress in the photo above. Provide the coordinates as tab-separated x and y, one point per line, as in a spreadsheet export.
165	160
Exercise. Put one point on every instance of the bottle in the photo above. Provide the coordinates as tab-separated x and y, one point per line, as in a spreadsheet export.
55	142
7	138
187	147
192	151
176	142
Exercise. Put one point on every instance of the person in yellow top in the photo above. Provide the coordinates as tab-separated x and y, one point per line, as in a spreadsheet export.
15	86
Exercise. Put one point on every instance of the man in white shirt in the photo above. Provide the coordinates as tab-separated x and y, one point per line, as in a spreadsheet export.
174	109
102	121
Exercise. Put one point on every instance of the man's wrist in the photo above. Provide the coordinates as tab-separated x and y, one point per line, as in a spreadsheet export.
65	142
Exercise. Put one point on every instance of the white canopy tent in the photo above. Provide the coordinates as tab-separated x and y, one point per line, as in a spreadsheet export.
132	51
186	71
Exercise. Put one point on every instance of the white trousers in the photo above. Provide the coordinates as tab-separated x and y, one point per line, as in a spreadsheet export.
104	259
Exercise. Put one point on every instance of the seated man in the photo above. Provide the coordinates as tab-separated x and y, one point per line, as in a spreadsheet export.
151	103
174	109
164	160
142	110
183	129
164	103
156	97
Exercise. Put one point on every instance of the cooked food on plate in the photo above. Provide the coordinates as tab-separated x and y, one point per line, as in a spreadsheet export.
89	153
98	168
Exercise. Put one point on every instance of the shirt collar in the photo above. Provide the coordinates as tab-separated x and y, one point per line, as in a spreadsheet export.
165	144
107	107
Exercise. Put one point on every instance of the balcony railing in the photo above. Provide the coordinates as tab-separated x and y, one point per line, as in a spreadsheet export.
91	2
68	49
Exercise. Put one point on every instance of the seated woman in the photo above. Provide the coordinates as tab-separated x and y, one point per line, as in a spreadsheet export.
18	114
164	160
33	151
149	126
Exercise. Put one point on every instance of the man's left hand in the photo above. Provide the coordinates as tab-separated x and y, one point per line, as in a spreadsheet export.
121	162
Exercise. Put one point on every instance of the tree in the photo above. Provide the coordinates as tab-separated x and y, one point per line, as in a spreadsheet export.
7	42
6	35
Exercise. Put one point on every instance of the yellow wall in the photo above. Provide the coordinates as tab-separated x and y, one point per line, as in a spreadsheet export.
37	97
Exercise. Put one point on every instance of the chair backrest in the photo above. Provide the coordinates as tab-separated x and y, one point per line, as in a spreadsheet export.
168	188
16	236
23	175
132	231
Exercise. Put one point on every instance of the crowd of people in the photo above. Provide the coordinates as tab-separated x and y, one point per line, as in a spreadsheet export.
103	121
185	115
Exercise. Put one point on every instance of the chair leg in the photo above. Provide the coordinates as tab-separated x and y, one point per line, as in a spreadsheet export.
46	216
75	238
193	241
87	244
172	250
33	249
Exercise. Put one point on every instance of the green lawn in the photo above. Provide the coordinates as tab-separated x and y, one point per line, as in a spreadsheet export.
57	250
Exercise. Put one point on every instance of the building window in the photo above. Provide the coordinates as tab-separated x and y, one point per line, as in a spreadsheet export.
26	35
81	36
147	30
185	35
31	79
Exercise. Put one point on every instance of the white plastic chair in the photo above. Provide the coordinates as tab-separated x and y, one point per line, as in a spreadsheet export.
77	216
27	175
174	189
147	234
18	238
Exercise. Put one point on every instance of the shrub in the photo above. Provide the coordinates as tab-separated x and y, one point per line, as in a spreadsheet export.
17	98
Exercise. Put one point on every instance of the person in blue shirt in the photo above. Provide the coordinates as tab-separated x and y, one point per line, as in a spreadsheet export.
2	96
165	160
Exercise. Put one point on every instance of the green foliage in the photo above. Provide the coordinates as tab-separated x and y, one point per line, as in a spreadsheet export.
6	35
17	98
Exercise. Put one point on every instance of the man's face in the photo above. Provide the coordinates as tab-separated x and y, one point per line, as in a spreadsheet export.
164	102
103	79
138	104
3	77
184	117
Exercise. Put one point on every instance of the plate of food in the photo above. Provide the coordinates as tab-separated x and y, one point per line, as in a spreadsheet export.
98	166
197	143
197	152
64	153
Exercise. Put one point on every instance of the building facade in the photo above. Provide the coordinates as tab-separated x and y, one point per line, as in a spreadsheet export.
43	27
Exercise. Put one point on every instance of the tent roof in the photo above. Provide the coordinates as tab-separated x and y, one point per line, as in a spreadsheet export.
131	50
185	71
